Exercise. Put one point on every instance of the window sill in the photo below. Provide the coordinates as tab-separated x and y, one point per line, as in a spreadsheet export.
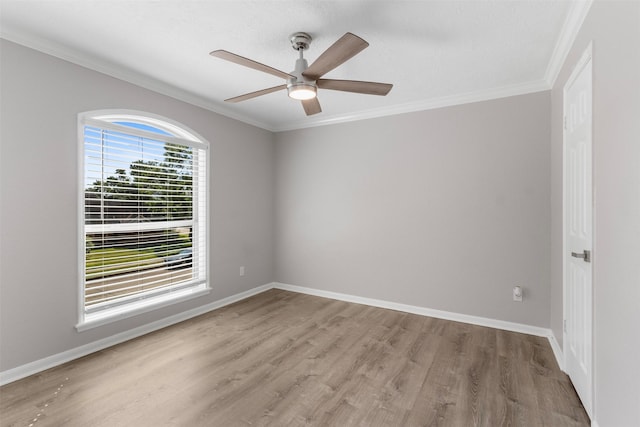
114	314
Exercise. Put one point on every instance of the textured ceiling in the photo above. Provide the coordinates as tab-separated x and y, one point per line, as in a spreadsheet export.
429	50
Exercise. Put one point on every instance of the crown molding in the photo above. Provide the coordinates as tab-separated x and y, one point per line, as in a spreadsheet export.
427	104
111	69
575	17
573	22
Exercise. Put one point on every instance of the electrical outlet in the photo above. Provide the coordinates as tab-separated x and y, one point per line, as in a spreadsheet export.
517	293
242	270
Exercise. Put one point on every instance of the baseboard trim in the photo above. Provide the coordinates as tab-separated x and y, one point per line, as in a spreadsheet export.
557	350
40	365
440	314
447	315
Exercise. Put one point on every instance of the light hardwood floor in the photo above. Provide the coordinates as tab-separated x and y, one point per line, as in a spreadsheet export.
287	359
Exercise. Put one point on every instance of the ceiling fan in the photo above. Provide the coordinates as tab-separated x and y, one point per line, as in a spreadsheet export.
303	82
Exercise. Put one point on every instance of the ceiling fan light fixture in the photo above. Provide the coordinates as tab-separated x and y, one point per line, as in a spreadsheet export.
303	82
302	91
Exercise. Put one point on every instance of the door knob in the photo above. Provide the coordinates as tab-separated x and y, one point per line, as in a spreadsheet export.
585	255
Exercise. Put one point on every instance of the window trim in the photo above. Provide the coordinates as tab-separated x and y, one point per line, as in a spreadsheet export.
185	136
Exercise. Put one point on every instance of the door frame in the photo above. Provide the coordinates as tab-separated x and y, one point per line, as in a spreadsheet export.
587	56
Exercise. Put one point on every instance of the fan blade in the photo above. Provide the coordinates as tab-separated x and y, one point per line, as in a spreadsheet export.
256	94
368	88
345	48
241	60
311	106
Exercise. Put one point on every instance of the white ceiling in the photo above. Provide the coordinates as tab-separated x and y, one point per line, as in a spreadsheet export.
434	52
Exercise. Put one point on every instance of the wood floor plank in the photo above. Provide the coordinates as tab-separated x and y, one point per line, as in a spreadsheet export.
281	358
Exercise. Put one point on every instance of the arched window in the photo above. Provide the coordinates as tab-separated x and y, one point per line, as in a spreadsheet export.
143	214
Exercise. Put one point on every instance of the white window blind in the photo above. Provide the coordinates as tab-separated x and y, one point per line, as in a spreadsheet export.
144	203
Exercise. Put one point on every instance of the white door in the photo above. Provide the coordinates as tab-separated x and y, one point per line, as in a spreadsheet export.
578	235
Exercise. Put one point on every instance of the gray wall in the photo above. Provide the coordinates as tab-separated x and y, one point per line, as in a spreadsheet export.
446	209
41	97
614	28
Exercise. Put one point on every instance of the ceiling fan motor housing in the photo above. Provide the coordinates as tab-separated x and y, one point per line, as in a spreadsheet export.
301	66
